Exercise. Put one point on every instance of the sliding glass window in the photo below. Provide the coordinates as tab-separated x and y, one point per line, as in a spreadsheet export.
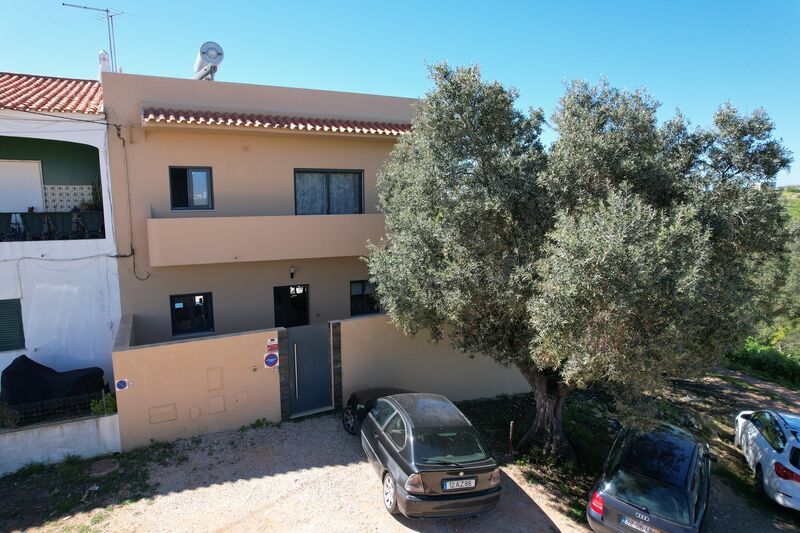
328	192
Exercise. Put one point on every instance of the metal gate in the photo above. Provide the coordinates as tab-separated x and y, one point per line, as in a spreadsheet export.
309	370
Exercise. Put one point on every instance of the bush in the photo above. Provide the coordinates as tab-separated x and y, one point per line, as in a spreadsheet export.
104	406
767	360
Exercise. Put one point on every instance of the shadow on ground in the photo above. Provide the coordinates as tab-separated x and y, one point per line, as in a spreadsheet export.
253	478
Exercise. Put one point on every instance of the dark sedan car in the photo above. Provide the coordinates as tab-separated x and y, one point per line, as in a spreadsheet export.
359	405
430	459
656	481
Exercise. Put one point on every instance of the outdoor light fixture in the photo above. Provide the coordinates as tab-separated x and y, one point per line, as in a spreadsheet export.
291	272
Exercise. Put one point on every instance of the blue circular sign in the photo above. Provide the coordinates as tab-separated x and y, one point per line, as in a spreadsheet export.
271	359
122	384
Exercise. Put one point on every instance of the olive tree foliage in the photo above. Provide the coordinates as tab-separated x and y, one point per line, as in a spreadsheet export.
464	218
627	253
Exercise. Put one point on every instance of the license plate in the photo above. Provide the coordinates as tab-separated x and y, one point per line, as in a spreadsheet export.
459	484
639	526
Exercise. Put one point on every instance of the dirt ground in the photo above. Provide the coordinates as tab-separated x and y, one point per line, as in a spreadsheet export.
312	476
306	476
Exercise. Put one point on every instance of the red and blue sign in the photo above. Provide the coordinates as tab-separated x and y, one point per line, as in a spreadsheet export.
271	360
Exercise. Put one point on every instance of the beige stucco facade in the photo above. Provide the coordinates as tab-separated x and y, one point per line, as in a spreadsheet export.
246	244
377	354
191	387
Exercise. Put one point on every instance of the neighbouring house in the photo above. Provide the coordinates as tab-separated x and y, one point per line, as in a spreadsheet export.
59	290
248	209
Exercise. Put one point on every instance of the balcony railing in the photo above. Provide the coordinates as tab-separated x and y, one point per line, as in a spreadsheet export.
205	240
57	226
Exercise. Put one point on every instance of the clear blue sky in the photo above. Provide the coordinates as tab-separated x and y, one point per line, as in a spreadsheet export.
691	55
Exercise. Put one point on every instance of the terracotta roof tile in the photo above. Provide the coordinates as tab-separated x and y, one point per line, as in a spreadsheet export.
245	120
26	92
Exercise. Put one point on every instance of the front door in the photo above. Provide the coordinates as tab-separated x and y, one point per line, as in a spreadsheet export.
291	305
309	369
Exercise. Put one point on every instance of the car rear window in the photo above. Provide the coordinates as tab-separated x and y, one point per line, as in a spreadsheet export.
651	496
661	455
447	445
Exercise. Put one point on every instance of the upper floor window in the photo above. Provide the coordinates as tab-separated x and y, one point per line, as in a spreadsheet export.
328	192
190	188
11	334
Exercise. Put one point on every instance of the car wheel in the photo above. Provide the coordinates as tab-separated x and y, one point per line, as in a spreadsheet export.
350	420
389	493
759	484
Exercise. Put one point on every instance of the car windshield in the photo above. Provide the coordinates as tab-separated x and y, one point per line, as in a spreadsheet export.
447	445
650	496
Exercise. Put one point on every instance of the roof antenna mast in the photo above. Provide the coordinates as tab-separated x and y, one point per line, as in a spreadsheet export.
109	15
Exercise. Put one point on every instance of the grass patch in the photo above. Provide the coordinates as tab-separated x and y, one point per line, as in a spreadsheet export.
766	362
38	494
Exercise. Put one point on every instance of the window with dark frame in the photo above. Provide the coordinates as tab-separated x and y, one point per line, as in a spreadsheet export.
362	298
12	335
328	192
191	313
190	188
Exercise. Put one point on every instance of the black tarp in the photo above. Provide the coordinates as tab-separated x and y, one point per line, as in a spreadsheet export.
26	381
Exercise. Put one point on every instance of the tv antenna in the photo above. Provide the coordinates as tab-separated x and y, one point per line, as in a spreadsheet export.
109	15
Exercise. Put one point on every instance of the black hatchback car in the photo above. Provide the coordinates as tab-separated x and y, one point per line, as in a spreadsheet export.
430	459
360	404
654	482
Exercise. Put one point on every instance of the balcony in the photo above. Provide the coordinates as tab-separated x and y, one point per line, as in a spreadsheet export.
51	226
206	240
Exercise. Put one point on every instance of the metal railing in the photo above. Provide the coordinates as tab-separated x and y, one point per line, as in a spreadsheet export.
51	225
58	409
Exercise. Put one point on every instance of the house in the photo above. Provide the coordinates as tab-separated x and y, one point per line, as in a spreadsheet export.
247	210
59	295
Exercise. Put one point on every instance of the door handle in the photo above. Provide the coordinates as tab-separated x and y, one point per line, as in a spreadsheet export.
375	434
296	383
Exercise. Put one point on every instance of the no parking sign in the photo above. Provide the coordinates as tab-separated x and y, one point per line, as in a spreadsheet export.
271	360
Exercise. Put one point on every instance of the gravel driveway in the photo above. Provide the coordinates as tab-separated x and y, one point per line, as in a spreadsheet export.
304	476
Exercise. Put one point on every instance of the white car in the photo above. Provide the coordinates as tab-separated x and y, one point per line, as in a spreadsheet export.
769	441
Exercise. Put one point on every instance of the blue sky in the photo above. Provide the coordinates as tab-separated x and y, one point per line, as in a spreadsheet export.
689	55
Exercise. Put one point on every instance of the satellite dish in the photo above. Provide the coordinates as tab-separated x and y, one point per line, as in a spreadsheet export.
209	58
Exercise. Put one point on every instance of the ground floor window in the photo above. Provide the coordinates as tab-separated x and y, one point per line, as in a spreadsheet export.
191	313
362	298
11	334
291	305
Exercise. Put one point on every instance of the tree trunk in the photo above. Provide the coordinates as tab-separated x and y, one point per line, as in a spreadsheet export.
547	431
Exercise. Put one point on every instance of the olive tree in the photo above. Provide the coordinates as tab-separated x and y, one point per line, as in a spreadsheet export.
626	253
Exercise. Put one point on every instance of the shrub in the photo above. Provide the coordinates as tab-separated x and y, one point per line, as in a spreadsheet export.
768	361
8	417
104	406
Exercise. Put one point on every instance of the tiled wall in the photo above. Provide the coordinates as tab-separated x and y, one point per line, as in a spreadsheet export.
64	197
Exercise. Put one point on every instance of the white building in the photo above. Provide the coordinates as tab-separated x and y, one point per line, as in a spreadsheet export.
59	285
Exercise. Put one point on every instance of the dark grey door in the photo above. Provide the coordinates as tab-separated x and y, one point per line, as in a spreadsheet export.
310	369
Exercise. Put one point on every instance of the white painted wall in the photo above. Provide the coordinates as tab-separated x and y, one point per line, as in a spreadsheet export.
69	290
49	443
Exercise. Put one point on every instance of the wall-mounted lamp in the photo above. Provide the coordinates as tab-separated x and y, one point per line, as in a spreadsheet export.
291	272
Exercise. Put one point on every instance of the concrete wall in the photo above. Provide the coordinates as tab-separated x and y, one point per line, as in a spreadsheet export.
377	354
69	290
49	443
185	388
